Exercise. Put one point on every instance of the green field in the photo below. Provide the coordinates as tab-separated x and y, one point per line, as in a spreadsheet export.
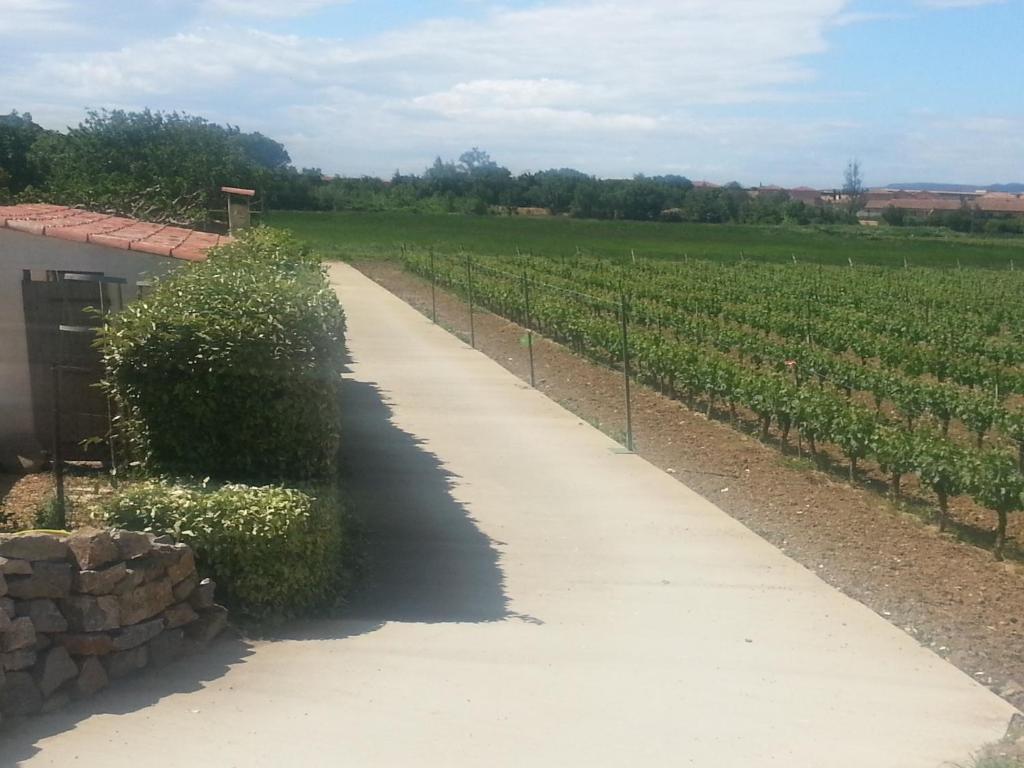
375	235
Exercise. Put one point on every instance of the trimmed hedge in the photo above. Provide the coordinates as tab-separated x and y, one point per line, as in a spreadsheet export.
230	368
274	552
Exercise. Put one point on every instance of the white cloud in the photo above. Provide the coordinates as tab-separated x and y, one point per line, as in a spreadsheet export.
958	3
185	64
269	8
20	17
663	53
609	86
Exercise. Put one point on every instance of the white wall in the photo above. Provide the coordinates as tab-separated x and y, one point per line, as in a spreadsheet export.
18	252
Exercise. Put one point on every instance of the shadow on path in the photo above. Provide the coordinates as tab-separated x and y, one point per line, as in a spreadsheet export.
427	562
19	737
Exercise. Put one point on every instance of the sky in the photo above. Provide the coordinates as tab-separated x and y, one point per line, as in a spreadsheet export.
759	91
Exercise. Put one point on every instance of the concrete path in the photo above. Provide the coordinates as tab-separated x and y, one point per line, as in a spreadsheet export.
538	599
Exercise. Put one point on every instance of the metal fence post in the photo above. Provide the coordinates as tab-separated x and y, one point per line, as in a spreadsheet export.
58	454
529	329
433	288
469	279
625	373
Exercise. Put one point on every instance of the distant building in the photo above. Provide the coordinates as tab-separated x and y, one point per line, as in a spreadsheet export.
919	205
923	203
1001	203
807	195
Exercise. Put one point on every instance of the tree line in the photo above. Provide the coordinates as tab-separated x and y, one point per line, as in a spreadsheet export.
168	166
154	165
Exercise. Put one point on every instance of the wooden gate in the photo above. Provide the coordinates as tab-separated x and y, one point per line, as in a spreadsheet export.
60	321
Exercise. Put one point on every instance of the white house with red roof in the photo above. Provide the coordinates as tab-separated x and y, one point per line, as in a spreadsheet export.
54	262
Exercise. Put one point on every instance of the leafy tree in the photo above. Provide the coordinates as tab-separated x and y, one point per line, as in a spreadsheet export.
476	162
853	182
154	165
18	133
261	150
894	217
853	186
554	189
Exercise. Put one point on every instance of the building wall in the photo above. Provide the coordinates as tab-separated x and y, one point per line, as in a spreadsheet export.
18	252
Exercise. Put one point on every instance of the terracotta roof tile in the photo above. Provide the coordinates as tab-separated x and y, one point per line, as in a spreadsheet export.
189	253
111	231
1001	203
84	232
915	204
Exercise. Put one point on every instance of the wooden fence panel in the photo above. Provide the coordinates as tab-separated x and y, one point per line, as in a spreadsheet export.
48	304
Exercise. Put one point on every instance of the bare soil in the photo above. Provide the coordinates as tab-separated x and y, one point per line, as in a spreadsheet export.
23	496
945	590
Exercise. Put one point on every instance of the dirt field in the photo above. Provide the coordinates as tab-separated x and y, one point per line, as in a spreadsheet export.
948	594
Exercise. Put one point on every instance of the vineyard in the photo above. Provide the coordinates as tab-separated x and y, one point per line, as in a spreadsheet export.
920	371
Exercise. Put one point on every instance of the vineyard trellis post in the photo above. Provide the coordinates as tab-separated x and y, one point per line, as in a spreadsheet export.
469	281
528	324
625	371
433	288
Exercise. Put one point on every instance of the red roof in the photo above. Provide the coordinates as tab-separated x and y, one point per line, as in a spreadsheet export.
111	231
996	202
915	204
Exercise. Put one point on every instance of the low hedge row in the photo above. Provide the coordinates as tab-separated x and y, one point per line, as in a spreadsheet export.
273	551
230	367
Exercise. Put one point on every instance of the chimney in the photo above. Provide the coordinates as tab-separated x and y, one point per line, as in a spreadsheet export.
239	202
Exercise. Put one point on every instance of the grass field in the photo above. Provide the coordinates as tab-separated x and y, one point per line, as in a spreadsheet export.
375	235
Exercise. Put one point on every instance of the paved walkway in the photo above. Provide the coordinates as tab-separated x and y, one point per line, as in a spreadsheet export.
538	599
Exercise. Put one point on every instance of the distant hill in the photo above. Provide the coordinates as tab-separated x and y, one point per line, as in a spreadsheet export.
1015	188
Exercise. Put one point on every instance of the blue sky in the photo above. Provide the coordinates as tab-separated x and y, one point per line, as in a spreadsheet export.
760	91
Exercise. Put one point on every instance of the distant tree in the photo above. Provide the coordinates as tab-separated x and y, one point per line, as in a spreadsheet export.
853	186
853	182
289	189
643	200
554	189
894	216
444	179
261	150
488	183
154	165
673	180
476	162
18	133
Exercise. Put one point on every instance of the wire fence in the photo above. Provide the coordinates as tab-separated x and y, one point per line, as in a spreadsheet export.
529	285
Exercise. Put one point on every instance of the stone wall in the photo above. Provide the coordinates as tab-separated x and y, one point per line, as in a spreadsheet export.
78	611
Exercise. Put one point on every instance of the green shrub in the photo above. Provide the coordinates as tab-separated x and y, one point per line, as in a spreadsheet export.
230	367
49	515
272	551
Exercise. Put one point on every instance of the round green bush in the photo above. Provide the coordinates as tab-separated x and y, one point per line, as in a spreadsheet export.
230	368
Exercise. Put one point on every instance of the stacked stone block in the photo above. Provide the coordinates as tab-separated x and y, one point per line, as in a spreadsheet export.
79	610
